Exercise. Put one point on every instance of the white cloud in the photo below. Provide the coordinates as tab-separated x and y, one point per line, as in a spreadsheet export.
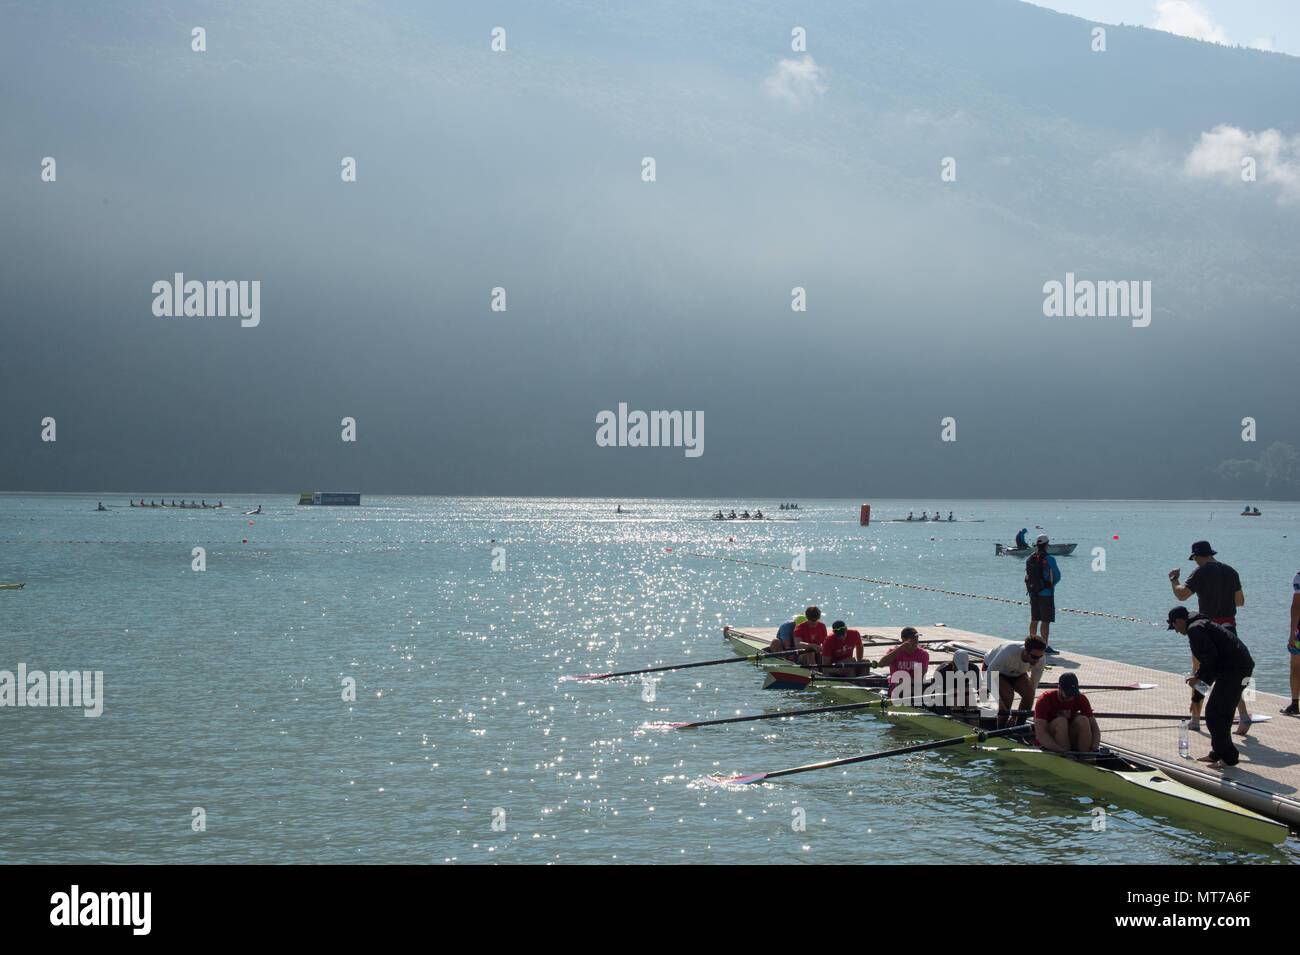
1188	18
1219	153
796	82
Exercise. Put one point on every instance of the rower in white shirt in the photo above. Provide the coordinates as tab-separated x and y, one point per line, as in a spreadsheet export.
1019	667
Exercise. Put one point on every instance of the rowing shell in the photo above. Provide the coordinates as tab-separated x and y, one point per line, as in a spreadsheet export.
1127	779
12	586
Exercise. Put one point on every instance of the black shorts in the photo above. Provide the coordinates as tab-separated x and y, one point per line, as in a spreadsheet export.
1042	608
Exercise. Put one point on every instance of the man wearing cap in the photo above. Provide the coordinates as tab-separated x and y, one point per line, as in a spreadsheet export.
956	684
1019	667
1225	664
909	659
842	646
1218	595
808	636
1041	568
1063	720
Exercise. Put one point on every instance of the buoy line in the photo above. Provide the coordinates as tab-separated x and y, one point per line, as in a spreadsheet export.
936	590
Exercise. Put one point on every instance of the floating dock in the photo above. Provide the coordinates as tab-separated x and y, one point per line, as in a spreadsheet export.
330	498
1267	780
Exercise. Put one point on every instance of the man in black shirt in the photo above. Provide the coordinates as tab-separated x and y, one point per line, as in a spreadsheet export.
1226	664
1217	586
1218	595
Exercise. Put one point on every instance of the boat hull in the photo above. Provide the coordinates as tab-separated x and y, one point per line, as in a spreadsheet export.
1056	550
1123	776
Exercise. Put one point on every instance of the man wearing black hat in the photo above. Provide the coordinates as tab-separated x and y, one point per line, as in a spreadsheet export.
1225	664
1216	585
1063	720
1218	595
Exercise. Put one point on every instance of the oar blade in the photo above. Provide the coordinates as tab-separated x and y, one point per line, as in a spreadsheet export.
665	726
736	780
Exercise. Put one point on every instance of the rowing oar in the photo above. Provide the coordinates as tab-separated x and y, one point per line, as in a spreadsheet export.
937	744
832	708
836	708
1098	686
1255	718
684	666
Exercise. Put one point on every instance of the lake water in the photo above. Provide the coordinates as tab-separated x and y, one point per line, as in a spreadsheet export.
224	689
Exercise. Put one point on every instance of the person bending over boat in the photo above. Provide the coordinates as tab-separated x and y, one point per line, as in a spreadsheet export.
842	651
809	636
910	517
950	515
1226	665
911	660
1063	720
731	516
1019	667
1022	543
785	635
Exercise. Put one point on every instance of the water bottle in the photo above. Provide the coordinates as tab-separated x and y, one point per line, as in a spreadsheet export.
1203	688
1183	750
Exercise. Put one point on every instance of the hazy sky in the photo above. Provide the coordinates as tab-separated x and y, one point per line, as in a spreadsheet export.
922	171
1263	24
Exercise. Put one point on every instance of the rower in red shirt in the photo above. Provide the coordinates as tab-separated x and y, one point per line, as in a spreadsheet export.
907	664
808	636
1063	720
843	646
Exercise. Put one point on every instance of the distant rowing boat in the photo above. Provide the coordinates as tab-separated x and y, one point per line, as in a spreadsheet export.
931	520
1123	776
168	507
12	586
1060	550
